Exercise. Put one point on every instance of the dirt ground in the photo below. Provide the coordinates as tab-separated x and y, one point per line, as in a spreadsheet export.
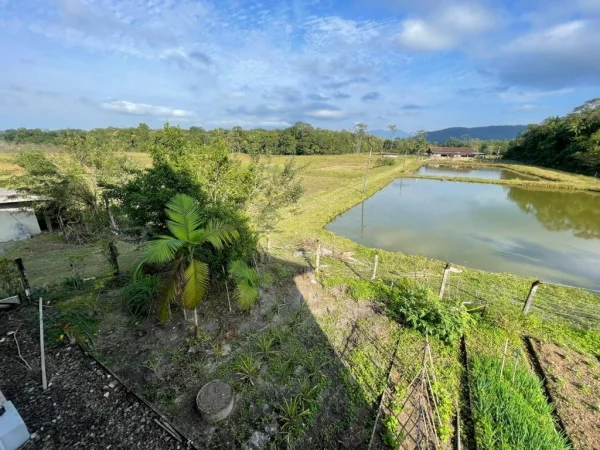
83	406
167	364
574	381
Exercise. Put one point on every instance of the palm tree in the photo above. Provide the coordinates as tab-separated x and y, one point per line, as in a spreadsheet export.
187	277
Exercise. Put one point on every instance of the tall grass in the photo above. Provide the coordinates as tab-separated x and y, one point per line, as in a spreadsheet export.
511	415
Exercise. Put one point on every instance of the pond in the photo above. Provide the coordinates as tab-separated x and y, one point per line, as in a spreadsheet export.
551	235
488	173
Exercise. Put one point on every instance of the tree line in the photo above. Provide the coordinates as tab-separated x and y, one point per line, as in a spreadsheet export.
201	209
570	143
299	139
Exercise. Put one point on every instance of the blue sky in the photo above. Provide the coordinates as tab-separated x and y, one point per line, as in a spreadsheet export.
419	64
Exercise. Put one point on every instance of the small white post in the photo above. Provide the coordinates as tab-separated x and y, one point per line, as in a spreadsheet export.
196	320
534	287
504	357
375	266
318	262
42	350
516	362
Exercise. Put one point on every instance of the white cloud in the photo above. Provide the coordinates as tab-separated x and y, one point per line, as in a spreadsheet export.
325	114
328	29
447	28
526	107
142	109
553	57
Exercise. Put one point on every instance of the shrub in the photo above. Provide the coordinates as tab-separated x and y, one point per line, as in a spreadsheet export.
381	162
247	282
420	308
9	278
140	296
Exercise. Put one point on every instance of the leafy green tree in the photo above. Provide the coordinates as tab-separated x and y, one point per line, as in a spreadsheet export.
569	143
75	183
273	190
393	131
186	277
360	129
142	199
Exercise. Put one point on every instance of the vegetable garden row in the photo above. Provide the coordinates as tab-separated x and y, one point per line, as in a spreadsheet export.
497	393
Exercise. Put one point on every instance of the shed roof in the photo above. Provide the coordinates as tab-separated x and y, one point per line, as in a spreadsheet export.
9	196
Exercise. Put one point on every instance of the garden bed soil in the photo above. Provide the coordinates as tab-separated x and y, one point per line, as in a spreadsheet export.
83	406
574	383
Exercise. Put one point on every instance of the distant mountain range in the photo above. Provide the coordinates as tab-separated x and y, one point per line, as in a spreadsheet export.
492	132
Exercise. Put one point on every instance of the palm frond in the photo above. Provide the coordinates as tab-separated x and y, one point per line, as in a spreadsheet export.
195	283
166	295
246	295
242	273
217	233
161	250
184	216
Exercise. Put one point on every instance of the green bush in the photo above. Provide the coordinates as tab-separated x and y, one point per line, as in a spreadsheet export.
10	283
511	414
381	162
420	308
247	280
140	296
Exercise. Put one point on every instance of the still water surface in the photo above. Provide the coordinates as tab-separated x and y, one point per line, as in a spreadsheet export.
471	172
552	235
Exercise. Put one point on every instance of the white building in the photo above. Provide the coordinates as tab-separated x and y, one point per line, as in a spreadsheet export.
17	218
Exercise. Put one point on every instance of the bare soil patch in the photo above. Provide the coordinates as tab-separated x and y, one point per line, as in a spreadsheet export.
574	382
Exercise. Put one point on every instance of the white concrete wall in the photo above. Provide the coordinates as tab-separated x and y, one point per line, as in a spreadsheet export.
9	216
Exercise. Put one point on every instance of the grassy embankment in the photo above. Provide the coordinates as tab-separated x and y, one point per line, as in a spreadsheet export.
331	190
334	184
548	179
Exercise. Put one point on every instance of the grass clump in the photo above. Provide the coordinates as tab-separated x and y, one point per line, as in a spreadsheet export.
140	296
511	414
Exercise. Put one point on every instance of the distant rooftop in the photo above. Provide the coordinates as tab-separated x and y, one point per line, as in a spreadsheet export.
453	150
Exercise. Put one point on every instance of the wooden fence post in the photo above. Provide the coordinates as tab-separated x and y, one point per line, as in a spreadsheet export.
318	262
23	276
447	270
534	287
375	266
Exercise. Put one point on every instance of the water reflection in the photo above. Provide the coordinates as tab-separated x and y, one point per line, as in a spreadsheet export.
547	234
561	211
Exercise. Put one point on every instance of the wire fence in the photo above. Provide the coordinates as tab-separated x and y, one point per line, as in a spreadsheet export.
49	261
550	301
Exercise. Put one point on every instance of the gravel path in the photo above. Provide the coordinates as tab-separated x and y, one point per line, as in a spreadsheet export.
83	407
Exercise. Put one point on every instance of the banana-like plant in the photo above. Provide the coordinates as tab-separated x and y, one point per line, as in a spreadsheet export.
187	277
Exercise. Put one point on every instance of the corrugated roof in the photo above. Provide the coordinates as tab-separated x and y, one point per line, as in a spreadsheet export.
10	196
